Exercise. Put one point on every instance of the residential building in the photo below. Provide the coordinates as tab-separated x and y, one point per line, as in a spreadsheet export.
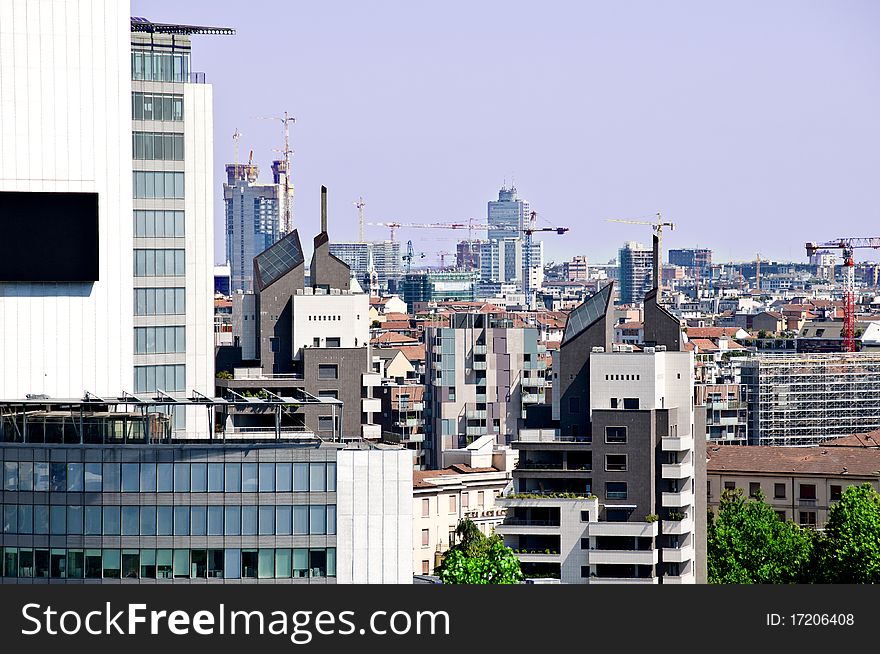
403	418
635	272
173	191
467	255
697	260
727	416
508	215
277	512
800	483
254	214
576	269
466	489
804	399
482	375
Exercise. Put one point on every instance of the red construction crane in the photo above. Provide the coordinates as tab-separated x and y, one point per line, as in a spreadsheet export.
847	245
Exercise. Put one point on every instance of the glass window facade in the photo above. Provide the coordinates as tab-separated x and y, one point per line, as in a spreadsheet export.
157	184
159	301
159	263
167	378
149	223
157	146
160	66
157	106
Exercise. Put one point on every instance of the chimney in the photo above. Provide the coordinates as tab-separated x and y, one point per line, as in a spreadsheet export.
656	278
323	209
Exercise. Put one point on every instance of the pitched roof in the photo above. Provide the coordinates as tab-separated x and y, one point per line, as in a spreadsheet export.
393	337
413	352
587	312
711	332
817	460
871	439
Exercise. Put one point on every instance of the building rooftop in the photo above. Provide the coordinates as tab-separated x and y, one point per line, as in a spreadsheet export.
139	24
814	460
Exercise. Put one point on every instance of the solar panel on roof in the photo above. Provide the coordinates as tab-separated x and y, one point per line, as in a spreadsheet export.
279	259
586	313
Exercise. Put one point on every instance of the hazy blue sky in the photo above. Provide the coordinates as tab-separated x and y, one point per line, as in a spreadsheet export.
752	125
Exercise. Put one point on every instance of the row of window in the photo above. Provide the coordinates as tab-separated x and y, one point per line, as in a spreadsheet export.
622	377
157	146
805	491
157	184
160	66
160	263
263	563
320	318
197	520
156	106
158	224
159	340
169	477
165	378
159	301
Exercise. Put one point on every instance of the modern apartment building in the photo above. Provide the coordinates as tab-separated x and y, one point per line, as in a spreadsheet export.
727	415
173	221
66	317
635	264
800	483
609	496
482	375
696	260
438	286
804	399
254	213
279	512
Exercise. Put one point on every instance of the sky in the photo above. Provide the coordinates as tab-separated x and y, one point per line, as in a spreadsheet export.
753	126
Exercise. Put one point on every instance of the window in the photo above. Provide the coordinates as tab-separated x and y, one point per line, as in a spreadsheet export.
615	434
300	477
426	567
159	263
808	491
781	515
233	477
464	500
835	493
729	485
167	378
631	403
585	571
426	507
155	223
808	518
613	402
615	462
249	481
232	515
157	146
585	516
317	477
585	543
453	504
481	498
154	184
215	477
615	490
283	477
328	371
326	423
267	477
425	538
333	342
332	394
159	340
159	301
156	106
130	478
754	488
248	521
779	491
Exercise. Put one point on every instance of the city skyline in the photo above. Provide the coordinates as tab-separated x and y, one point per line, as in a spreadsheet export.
596	112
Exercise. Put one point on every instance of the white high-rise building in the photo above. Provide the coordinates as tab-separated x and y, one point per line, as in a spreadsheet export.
173	151
507	215
65	103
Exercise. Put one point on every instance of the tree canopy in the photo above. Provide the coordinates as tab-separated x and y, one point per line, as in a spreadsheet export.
478	559
848	551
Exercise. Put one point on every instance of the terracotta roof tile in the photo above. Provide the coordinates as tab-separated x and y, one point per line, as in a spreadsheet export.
818	460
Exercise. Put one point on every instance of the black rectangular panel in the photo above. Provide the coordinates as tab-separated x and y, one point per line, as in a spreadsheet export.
48	237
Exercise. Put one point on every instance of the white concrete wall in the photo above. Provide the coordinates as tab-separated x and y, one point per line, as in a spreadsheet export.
244	324
350	324
374	516
199	206
65	125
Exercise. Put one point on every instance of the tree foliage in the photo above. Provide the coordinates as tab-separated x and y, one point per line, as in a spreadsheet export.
478	559
747	543
848	552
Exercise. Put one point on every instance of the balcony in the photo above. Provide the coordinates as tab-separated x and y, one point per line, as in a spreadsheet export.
515	526
678	555
676	527
677	470
481	349
531	398
677	444
637	529
623	557
476	431
480	365
537	556
371	405
622	580
409	422
475	415
677	500
535	365
533	382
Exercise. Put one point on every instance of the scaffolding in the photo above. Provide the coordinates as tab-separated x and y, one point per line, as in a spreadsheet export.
804	399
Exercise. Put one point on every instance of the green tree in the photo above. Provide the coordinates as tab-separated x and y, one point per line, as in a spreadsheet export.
848	552
747	543
478	559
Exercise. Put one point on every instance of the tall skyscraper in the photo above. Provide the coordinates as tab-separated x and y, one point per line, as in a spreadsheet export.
254	214
173	191
508	215
635	272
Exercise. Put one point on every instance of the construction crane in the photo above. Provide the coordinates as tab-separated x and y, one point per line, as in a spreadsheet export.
360	204
410	255
287	222
530	229
657	226
470	226
847	245
443	254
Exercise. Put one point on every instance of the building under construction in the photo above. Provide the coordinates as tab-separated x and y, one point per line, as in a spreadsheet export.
804	399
